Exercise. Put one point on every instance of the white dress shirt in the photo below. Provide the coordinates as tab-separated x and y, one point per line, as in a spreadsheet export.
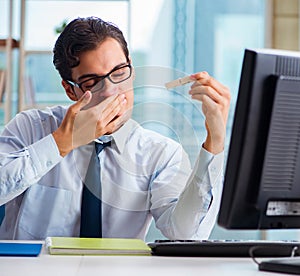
144	175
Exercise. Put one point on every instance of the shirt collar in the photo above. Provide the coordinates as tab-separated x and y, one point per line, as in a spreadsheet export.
121	136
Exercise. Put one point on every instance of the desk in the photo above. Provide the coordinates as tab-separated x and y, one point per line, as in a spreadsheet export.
46	265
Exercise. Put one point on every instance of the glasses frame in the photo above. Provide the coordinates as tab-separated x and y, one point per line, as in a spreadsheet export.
101	78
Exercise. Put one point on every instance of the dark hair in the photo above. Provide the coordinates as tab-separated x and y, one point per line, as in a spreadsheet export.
80	35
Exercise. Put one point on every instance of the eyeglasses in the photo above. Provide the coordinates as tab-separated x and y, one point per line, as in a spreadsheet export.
97	83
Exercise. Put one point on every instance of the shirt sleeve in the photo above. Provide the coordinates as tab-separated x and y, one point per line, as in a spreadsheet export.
199	203
194	213
22	163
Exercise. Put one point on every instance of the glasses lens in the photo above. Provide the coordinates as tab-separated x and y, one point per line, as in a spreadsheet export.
120	74
98	86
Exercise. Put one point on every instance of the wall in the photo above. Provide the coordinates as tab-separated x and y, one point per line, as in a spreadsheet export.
284	24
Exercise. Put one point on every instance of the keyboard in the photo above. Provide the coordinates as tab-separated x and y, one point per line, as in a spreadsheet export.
225	248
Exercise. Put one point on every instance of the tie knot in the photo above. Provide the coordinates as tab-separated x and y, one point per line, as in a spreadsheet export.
101	146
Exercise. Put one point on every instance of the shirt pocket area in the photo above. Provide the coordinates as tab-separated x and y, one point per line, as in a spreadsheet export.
44	212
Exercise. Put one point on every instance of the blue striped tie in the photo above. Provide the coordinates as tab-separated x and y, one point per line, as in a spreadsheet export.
91	211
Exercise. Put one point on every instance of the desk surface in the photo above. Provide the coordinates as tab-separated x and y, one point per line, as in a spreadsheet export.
46	264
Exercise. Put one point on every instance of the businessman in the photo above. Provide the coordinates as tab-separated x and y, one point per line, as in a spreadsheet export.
90	170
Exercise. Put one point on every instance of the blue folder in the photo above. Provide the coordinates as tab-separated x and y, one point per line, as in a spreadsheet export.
20	249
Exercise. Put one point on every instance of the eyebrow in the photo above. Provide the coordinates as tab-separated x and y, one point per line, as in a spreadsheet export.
95	75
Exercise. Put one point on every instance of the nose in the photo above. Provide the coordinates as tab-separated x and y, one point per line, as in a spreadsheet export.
109	89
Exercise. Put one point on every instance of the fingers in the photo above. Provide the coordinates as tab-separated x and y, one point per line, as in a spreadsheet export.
80	104
199	91
106	112
83	101
64	135
117	122
80	126
203	78
111	107
208	86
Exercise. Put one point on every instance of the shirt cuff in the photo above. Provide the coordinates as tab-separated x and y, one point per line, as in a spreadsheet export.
208	163
44	154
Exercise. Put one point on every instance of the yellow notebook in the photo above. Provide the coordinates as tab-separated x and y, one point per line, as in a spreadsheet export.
96	246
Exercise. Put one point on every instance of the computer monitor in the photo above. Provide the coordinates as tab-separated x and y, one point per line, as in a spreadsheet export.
262	178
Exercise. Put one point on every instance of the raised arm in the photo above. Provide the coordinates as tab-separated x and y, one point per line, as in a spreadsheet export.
215	98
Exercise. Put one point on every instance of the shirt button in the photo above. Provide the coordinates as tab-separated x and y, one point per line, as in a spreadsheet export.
49	163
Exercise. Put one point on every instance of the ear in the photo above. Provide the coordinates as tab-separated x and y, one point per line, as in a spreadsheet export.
69	91
133	71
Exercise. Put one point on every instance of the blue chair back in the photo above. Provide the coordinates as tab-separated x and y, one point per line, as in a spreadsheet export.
2	213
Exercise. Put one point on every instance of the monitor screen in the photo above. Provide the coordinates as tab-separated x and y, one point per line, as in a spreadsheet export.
262	178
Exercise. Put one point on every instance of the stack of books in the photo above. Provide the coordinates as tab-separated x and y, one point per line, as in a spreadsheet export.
96	246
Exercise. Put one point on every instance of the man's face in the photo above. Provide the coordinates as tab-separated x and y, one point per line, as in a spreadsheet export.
99	62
